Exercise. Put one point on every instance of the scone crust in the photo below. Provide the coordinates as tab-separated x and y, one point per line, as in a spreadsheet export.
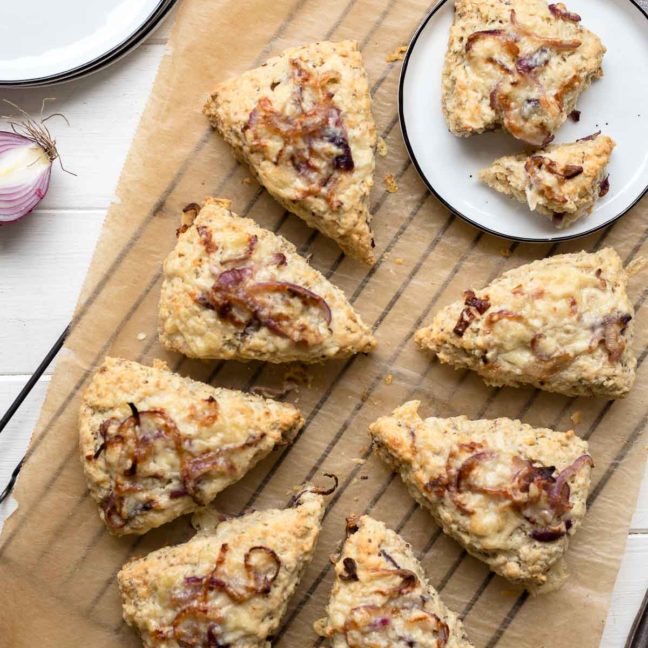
345	217
487	79
156	588
497	534
564	200
373	552
206	250
243	427
563	324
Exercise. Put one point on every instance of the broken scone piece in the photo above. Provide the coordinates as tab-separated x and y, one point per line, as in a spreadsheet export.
563	324
228	586
562	182
509	493
520	64
233	290
155	445
303	123
381	596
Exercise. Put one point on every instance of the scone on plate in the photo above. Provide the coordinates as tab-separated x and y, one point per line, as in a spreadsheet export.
510	494
520	64
563	324
562	181
155	445
227	586
303	123
233	290
381	595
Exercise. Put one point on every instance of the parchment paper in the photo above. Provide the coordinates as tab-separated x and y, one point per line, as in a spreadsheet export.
58	564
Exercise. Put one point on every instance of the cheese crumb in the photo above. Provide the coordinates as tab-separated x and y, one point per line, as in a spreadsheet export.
397	55
389	379
141	336
390	183
381	147
576	417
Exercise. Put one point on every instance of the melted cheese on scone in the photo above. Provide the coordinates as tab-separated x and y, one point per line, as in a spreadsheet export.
233	290
517	63
562	182
225	587
381	597
155	445
562	324
509	493
303	124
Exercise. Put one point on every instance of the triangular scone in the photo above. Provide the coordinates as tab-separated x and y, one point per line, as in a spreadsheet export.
225	587
509	493
562	182
155	445
233	290
517	63
381	595
563	324
303	123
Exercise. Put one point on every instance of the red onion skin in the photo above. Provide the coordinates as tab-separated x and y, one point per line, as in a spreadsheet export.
19	201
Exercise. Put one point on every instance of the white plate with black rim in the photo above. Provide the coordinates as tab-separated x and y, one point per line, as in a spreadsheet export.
47	41
617	105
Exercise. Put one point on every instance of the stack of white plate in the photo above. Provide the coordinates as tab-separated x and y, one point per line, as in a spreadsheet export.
49	41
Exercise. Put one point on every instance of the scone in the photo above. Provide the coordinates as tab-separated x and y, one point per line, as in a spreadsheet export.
228	586
303	123
562	182
510	494
382	598
563	324
520	64
155	445
233	290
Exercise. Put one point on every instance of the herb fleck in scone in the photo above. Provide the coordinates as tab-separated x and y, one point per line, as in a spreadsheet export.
233	290
562	182
303	123
225	587
520	64
155	445
382	598
563	324
509	493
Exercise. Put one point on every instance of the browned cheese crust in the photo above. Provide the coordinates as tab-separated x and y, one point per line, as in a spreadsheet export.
155	445
510	494
520	64
225	587
563	324
303	123
233	290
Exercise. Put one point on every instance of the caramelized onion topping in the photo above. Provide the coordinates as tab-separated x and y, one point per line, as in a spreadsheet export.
474	306
315	140
130	443
556	43
317	490
560	11
604	186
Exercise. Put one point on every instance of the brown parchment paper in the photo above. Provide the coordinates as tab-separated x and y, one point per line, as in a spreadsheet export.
58	564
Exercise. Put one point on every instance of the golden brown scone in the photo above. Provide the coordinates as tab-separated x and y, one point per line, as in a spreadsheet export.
520	64
509	493
382	598
228	586
563	324
562	182
303	123
233	290
155	445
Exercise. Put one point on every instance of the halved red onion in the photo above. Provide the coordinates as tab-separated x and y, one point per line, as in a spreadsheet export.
25	169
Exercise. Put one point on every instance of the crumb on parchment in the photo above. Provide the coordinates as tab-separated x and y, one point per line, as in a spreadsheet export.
397	55
576	417
141	336
505	252
391	186
388	379
381	148
247	180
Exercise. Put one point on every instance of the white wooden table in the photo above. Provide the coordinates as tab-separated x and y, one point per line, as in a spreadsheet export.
44	258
